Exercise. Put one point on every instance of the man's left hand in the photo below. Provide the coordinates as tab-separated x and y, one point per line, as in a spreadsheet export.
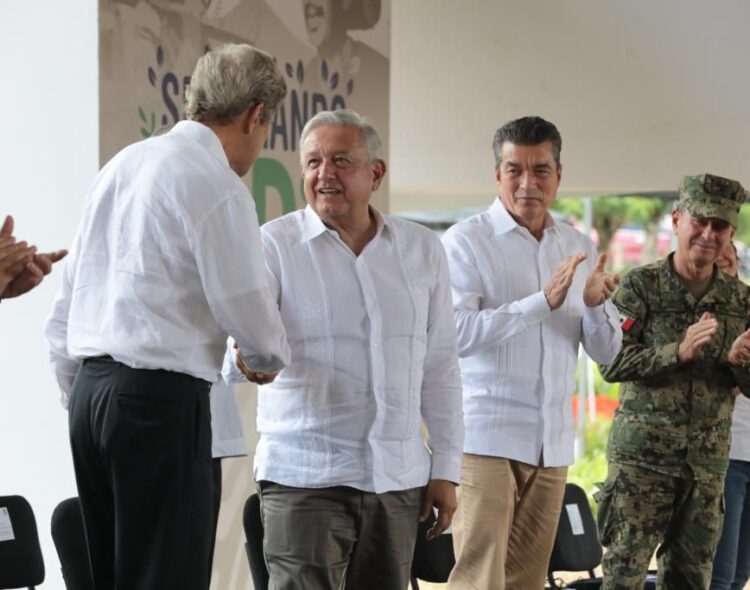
599	283
740	351
441	494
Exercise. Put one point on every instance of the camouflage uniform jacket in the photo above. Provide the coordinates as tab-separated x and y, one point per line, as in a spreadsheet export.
672	414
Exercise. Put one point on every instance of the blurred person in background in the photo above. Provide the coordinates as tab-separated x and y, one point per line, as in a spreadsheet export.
732	560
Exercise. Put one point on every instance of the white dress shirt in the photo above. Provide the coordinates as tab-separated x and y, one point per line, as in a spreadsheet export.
167	261
518	358
740	448
373	354
226	428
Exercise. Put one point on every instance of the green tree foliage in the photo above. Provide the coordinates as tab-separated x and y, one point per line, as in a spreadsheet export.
743	231
610	212
592	467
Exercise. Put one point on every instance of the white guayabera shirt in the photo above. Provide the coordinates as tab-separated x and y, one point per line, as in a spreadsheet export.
518	358
374	355
167	261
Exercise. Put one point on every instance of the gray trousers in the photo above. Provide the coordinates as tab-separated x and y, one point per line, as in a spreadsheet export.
338	538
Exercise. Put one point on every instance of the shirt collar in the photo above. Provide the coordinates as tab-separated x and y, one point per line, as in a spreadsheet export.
503	222
202	135
313	226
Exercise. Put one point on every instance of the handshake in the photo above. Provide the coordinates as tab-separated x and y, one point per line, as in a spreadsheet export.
258	377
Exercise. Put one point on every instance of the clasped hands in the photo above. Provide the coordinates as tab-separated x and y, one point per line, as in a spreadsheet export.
599	283
21	267
700	333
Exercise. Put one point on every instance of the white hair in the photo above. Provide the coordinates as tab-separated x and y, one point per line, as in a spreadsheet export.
346	118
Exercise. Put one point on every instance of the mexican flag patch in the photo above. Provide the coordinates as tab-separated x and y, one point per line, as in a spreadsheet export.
626	322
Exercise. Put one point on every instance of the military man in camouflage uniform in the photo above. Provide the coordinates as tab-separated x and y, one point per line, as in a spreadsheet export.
684	348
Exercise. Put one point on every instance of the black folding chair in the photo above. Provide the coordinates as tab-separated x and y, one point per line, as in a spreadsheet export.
253	526
433	560
21	562
577	547
70	542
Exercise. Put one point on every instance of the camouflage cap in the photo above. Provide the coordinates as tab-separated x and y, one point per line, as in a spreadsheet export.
706	195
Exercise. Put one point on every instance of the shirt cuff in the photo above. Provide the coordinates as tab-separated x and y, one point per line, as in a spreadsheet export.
446	466
230	372
534	307
596	314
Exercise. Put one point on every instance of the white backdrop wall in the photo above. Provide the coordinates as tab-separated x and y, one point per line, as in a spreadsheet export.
643	92
48	157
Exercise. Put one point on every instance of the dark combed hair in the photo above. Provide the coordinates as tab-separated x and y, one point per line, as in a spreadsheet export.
527	131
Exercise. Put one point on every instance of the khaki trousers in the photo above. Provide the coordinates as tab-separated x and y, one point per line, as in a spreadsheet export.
505	525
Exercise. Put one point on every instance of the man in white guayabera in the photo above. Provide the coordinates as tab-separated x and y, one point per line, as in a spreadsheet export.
527	291
341	465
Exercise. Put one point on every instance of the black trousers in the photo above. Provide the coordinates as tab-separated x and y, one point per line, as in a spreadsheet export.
215	507
141	443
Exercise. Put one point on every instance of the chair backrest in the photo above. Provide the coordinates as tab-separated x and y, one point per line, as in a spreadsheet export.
21	563
433	560
253	526
577	547
70	542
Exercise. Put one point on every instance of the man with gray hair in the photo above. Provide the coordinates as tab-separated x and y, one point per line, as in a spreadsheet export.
341	466
167	261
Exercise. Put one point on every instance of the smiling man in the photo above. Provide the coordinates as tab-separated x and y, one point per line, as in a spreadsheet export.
341	466
684	350
526	292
